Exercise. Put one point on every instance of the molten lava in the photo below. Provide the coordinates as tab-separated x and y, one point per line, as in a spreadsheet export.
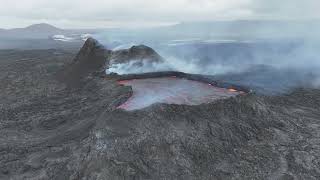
172	90
233	90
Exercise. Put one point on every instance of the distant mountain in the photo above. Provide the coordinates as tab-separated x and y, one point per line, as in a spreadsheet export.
43	27
42	36
36	31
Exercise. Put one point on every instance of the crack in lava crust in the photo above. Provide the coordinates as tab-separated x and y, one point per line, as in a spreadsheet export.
172	90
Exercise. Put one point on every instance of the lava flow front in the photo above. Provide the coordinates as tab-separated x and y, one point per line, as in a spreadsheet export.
172	90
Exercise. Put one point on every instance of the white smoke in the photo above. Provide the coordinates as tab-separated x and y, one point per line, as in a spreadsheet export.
124	46
137	67
279	70
194	66
71	38
170	64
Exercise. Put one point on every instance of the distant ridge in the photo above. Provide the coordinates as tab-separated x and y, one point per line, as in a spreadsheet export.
43	27
35	31
40	28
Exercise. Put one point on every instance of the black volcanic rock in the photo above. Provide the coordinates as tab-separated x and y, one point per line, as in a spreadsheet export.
51	132
88	49
43	27
135	53
91	58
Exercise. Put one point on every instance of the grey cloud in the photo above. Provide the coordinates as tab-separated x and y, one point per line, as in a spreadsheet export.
288	9
63	12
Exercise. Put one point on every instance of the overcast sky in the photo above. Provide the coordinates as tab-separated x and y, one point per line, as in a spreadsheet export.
134	13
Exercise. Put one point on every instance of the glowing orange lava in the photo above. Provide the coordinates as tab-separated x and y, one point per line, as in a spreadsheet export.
232	90
172	90
123	82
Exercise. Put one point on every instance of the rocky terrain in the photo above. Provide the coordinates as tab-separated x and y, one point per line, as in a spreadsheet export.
140	53
59	120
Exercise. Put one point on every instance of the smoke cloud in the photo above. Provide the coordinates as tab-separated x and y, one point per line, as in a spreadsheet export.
273	67
137	67
267	56
170	64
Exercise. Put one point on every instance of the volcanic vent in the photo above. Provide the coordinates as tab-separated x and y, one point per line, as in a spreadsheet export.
147	88
163	87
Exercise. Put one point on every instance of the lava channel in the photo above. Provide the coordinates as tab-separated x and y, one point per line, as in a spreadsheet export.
172	90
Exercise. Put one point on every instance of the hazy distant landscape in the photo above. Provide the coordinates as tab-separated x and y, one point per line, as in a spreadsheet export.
173	90
40	36
197	32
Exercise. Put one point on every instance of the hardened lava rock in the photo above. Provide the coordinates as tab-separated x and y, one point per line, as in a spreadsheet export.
51	131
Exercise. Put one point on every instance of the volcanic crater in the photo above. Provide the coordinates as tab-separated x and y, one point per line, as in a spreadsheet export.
174	88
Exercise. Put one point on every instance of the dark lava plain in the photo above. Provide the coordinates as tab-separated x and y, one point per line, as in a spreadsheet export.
53	130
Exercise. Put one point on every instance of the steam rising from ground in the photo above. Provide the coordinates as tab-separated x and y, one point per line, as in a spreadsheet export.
267	56
137	67
267	67
171	64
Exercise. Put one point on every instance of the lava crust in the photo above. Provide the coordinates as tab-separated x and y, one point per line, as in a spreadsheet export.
172	90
